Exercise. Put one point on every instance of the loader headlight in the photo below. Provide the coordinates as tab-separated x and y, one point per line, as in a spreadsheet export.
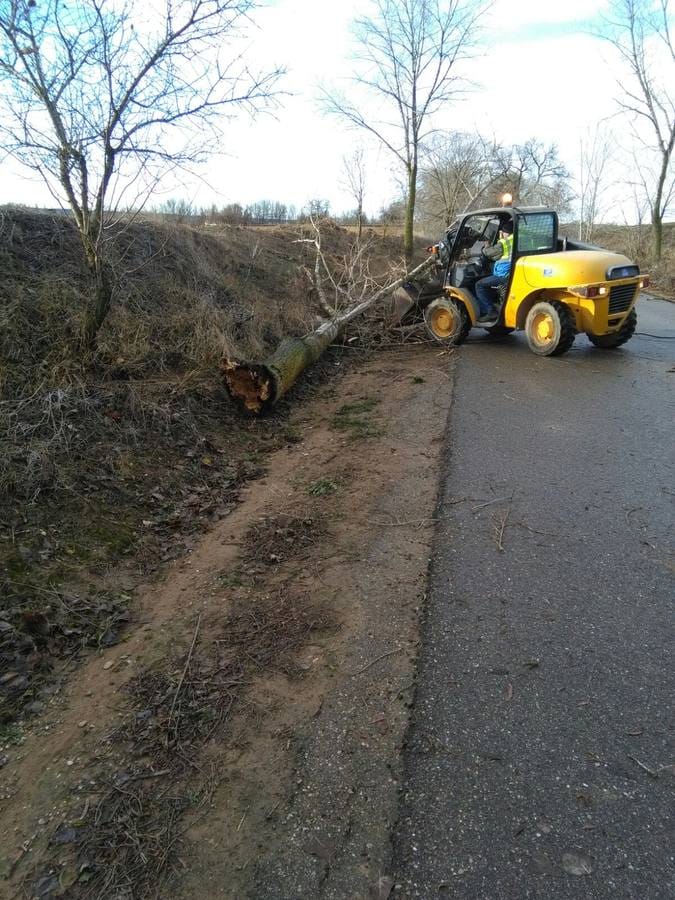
590	291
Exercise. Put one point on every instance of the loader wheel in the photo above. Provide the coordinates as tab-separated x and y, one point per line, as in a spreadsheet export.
447	321
549	328
611	341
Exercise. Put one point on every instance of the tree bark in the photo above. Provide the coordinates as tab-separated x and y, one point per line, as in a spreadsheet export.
256	387
410	214
657	209
657	229
99	305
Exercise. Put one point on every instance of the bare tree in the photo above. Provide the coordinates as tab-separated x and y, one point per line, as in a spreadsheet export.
636	227
316	209
532	172
177	210
457	172
409	51
640	32
100	98
595	154
355	182
463	171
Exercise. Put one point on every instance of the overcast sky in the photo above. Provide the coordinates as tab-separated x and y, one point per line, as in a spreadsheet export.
539	74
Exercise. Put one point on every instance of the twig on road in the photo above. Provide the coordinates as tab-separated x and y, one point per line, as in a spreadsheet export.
418	523
397	523
535	530
490	502
376	660
649	771
500	527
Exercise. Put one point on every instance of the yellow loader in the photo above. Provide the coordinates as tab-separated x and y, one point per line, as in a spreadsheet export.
556	287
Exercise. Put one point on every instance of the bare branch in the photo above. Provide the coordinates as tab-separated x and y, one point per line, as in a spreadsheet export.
98	96
407	60
639	30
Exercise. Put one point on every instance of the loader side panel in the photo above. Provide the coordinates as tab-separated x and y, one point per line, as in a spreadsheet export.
467	298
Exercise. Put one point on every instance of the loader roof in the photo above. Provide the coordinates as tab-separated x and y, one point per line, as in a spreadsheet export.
500	210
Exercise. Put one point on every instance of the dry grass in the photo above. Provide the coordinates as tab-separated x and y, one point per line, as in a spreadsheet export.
184	298
126	843
282	537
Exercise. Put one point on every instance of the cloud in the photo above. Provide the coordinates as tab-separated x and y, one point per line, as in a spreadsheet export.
515	14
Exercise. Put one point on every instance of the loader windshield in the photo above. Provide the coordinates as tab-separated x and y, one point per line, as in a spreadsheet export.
537	232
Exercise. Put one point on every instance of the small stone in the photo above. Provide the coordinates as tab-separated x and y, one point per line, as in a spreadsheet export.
70	762
108	665
82	724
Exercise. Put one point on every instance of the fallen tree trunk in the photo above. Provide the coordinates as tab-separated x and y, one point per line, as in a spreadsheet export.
258	386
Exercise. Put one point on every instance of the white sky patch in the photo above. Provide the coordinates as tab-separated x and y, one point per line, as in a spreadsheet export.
550	89
533	80
513	14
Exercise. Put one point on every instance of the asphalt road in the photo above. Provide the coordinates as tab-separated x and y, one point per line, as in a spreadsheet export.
540	762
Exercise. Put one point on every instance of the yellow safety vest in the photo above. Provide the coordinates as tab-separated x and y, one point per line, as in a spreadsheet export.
502	266
507	246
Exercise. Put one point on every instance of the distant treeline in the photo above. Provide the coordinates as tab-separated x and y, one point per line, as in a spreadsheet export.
264	212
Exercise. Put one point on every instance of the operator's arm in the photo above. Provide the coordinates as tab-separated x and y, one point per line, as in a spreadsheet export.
494	252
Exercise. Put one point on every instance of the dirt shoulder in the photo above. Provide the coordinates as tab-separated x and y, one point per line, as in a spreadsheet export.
244	739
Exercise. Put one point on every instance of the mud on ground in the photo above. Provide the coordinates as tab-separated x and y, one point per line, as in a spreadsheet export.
242	740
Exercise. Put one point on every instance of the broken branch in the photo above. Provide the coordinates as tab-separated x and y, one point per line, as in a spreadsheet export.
256	387
184	673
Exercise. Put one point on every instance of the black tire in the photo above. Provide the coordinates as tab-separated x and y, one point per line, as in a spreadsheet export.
447	321
612	341
554	317
499	331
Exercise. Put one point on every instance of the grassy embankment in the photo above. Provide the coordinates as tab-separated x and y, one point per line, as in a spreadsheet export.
108	470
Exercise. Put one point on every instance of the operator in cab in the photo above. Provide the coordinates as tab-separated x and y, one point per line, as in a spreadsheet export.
501	254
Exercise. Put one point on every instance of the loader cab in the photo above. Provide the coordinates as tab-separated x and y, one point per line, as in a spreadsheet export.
535	230
466	240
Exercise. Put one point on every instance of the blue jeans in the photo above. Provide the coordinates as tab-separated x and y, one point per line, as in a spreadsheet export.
485	293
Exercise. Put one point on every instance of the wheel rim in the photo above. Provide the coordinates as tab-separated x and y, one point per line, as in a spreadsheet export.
443	322
543	328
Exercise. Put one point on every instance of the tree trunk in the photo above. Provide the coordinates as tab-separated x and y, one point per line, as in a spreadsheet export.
410	214
97	310
657	233
256	387
101	293
657	206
